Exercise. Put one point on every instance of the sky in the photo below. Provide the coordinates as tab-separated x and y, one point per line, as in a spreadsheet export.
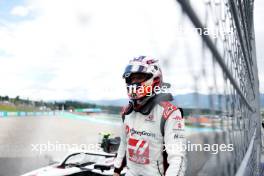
259	36
77	49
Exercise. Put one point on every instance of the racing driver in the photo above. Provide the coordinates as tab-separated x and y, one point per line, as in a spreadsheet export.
152	134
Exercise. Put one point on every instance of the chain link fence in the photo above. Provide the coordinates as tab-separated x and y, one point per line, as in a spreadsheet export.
215	41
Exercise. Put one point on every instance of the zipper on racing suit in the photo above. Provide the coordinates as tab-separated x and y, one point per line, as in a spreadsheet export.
159	168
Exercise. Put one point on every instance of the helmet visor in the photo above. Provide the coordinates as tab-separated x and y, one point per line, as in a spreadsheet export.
134	69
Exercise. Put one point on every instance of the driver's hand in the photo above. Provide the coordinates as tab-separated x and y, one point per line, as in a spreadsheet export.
116	174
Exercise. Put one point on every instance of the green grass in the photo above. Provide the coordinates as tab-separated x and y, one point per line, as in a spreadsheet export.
9	108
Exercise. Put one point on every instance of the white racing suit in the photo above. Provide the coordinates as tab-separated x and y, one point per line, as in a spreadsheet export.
143	138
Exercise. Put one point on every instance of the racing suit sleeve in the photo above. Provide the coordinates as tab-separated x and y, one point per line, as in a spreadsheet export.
120	160
174	140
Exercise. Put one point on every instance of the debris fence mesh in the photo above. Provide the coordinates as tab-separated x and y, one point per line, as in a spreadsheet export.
215	40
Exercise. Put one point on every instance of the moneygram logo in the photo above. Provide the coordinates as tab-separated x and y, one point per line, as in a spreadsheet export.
141	133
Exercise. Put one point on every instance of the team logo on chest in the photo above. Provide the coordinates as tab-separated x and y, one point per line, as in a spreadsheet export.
149	118
138	151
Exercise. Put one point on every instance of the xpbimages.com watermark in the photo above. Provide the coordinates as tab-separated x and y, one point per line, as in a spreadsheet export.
208	31
171	148
148	90
62	147
192	147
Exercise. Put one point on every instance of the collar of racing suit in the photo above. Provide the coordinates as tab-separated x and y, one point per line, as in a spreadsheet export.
146	107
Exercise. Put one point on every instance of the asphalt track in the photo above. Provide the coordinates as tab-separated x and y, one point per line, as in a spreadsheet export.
19	134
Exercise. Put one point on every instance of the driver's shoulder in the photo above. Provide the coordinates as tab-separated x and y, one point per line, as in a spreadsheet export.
167	109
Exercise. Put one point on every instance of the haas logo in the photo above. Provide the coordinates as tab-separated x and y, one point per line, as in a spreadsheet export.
177	118
138	151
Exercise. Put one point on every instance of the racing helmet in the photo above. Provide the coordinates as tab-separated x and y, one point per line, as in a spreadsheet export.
147	66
